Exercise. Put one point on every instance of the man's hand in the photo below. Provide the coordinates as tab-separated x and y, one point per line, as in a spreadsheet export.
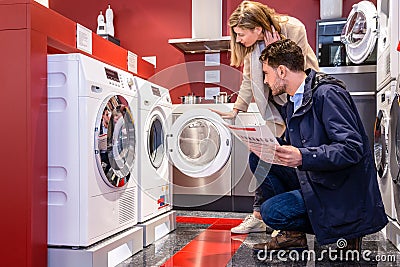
289	155
226	115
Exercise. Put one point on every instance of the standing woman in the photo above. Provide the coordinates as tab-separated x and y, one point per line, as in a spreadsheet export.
253	26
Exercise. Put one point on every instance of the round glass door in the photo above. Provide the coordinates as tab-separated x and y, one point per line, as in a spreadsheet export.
397	141
395	133
115	141
380	148
395	152
359	34
156	141
199	144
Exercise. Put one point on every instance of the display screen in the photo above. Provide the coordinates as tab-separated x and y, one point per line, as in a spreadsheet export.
112	75
156	91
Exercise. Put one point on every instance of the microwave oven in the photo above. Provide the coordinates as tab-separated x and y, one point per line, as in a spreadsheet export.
330	50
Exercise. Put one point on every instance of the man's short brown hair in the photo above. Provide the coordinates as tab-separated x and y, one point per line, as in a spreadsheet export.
283	52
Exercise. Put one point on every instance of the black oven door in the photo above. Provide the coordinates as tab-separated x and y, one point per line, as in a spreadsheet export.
332	55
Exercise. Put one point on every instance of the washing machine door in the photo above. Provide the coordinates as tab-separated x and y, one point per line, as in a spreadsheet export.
359	34
115	144
199	145
395	152
395	135
380	144
156	138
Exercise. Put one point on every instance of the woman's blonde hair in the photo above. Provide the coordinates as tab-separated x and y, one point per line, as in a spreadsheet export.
249	15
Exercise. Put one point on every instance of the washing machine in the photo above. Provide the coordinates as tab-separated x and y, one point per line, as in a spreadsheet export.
383	146
154	179
395	150
388	38
200	147
367	26
360	32
387	76
368	29
210	164
91	192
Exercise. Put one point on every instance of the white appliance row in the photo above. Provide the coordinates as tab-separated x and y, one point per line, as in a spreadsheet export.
385	34
104	180
367	26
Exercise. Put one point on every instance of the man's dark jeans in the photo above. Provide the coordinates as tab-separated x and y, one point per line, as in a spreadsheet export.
279	197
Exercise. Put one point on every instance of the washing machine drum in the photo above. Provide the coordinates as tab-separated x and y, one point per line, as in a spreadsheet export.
115	141
381	152
199	142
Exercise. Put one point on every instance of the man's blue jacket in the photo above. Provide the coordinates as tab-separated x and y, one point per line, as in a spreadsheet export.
338	177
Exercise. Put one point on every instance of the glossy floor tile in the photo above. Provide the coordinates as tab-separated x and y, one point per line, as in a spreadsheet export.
204	239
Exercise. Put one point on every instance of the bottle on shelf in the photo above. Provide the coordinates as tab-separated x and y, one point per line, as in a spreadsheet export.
109	21
101	25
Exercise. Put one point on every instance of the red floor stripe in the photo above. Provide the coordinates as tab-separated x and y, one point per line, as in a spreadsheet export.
196	220
213	247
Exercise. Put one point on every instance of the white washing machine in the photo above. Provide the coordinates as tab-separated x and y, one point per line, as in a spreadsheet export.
367	27
202	149
360	32
91	192
364	26
388	38
154	179
383	146
395	151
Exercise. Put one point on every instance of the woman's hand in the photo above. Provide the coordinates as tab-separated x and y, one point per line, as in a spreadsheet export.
270	38
226	115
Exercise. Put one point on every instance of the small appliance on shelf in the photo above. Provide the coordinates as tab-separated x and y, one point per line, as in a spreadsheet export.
105	26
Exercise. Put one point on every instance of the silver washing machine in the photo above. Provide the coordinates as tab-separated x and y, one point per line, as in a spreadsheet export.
199	147
212	170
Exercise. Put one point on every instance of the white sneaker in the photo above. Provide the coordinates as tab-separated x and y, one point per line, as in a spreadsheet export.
250	225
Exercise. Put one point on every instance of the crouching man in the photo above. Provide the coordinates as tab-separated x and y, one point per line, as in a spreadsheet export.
327	185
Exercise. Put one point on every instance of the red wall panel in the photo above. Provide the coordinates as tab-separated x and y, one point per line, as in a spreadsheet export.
37	132
14	208
27	35
24	149
144	27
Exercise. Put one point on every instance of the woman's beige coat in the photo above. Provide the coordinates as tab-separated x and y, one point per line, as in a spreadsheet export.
253	84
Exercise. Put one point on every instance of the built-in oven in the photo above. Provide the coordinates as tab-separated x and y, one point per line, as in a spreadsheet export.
330	50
